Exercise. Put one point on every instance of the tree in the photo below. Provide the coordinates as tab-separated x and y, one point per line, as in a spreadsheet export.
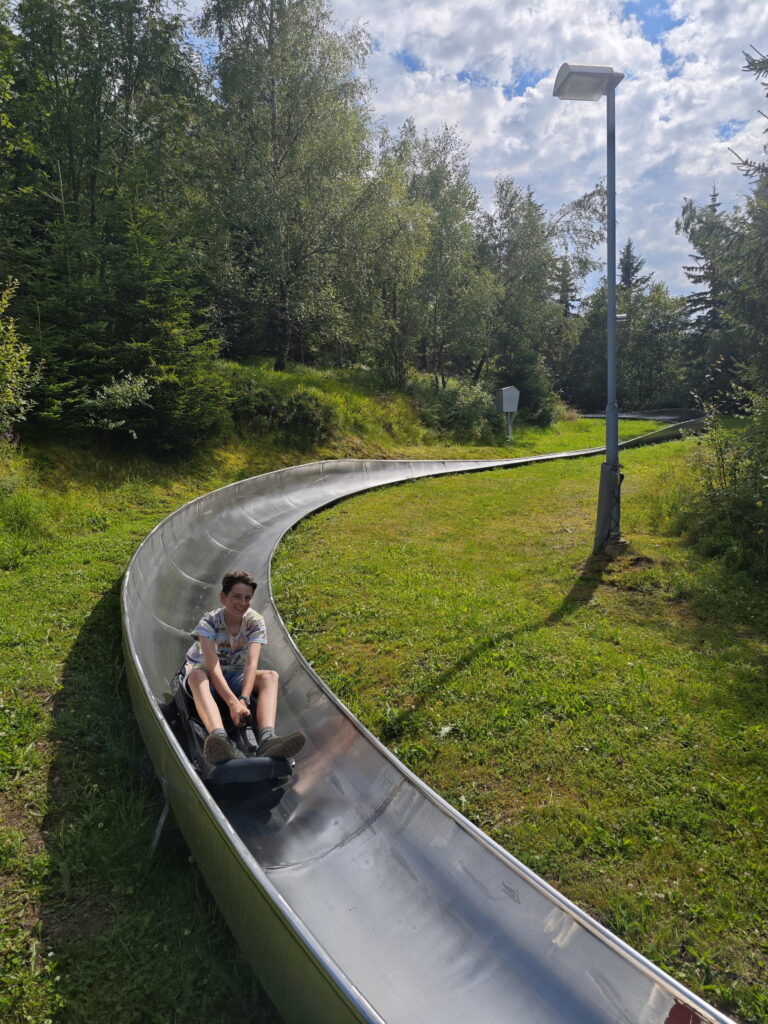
709	231
650	343
7	48
630	266
563	325
747	308
757	65
101	212
519	247
576	228
458	295
651	349
293	136
382	262
726	513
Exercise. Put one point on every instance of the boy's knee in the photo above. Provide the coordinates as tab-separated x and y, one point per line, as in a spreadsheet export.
269	677
197	679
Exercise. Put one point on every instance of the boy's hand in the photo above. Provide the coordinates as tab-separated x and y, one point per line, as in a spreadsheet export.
240	712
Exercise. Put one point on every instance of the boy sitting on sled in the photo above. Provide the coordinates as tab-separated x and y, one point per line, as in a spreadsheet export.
222	669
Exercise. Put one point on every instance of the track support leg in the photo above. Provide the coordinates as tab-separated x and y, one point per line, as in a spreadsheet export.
158	830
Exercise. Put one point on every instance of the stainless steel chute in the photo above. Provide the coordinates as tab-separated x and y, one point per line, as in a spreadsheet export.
356	892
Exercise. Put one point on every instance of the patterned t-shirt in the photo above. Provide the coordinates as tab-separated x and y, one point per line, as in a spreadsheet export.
232	650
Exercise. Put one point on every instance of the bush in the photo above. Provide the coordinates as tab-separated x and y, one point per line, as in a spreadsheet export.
300	415
254	406
189	407
465	411
308	416
110	407
17	375
469	412
727	514
179	396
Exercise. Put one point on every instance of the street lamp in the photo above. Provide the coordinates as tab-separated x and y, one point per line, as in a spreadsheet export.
591	82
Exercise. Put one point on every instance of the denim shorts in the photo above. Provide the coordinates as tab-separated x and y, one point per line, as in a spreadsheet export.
233	676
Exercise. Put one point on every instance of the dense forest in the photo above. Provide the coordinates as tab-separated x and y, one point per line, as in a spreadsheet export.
181	201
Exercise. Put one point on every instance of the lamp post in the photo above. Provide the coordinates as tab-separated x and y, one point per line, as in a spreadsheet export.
591	82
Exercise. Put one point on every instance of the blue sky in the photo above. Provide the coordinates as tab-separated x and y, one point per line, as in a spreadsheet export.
488	67
656	18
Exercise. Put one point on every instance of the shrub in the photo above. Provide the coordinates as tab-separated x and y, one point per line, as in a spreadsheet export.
469	412
308	416
727	513
17	375
465	411
180	396
189	408
254	406
301	415
111	406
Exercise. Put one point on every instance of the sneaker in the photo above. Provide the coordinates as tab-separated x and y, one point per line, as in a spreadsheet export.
281	746
218	748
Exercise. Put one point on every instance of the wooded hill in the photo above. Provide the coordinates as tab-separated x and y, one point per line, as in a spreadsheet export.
173	193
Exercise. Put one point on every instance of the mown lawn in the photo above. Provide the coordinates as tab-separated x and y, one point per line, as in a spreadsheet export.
92	930
605	722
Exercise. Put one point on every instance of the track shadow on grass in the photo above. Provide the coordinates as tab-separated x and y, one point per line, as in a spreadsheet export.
581	593
742	689
137	940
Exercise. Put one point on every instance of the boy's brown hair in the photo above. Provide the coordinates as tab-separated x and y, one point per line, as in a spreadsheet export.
238	576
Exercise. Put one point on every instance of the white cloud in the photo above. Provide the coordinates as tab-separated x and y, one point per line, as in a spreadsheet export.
684	101
684	94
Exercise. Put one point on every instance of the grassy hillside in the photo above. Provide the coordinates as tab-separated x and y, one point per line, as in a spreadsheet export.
92	929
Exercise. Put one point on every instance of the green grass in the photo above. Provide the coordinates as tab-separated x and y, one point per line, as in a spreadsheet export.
565	435
605	722
92	930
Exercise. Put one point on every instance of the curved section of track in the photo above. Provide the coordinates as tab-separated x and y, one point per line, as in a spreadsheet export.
356	892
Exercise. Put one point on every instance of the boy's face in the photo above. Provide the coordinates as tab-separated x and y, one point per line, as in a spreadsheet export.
238	600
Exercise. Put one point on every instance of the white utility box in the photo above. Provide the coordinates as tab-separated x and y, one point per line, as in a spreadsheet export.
507	399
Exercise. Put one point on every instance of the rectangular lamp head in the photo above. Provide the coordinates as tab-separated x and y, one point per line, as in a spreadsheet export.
585	81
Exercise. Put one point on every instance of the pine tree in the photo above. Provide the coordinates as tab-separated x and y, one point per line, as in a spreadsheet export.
713	352
101	212
706	228
630	266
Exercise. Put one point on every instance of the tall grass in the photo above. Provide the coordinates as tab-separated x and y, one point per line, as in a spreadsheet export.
311	406
725	510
